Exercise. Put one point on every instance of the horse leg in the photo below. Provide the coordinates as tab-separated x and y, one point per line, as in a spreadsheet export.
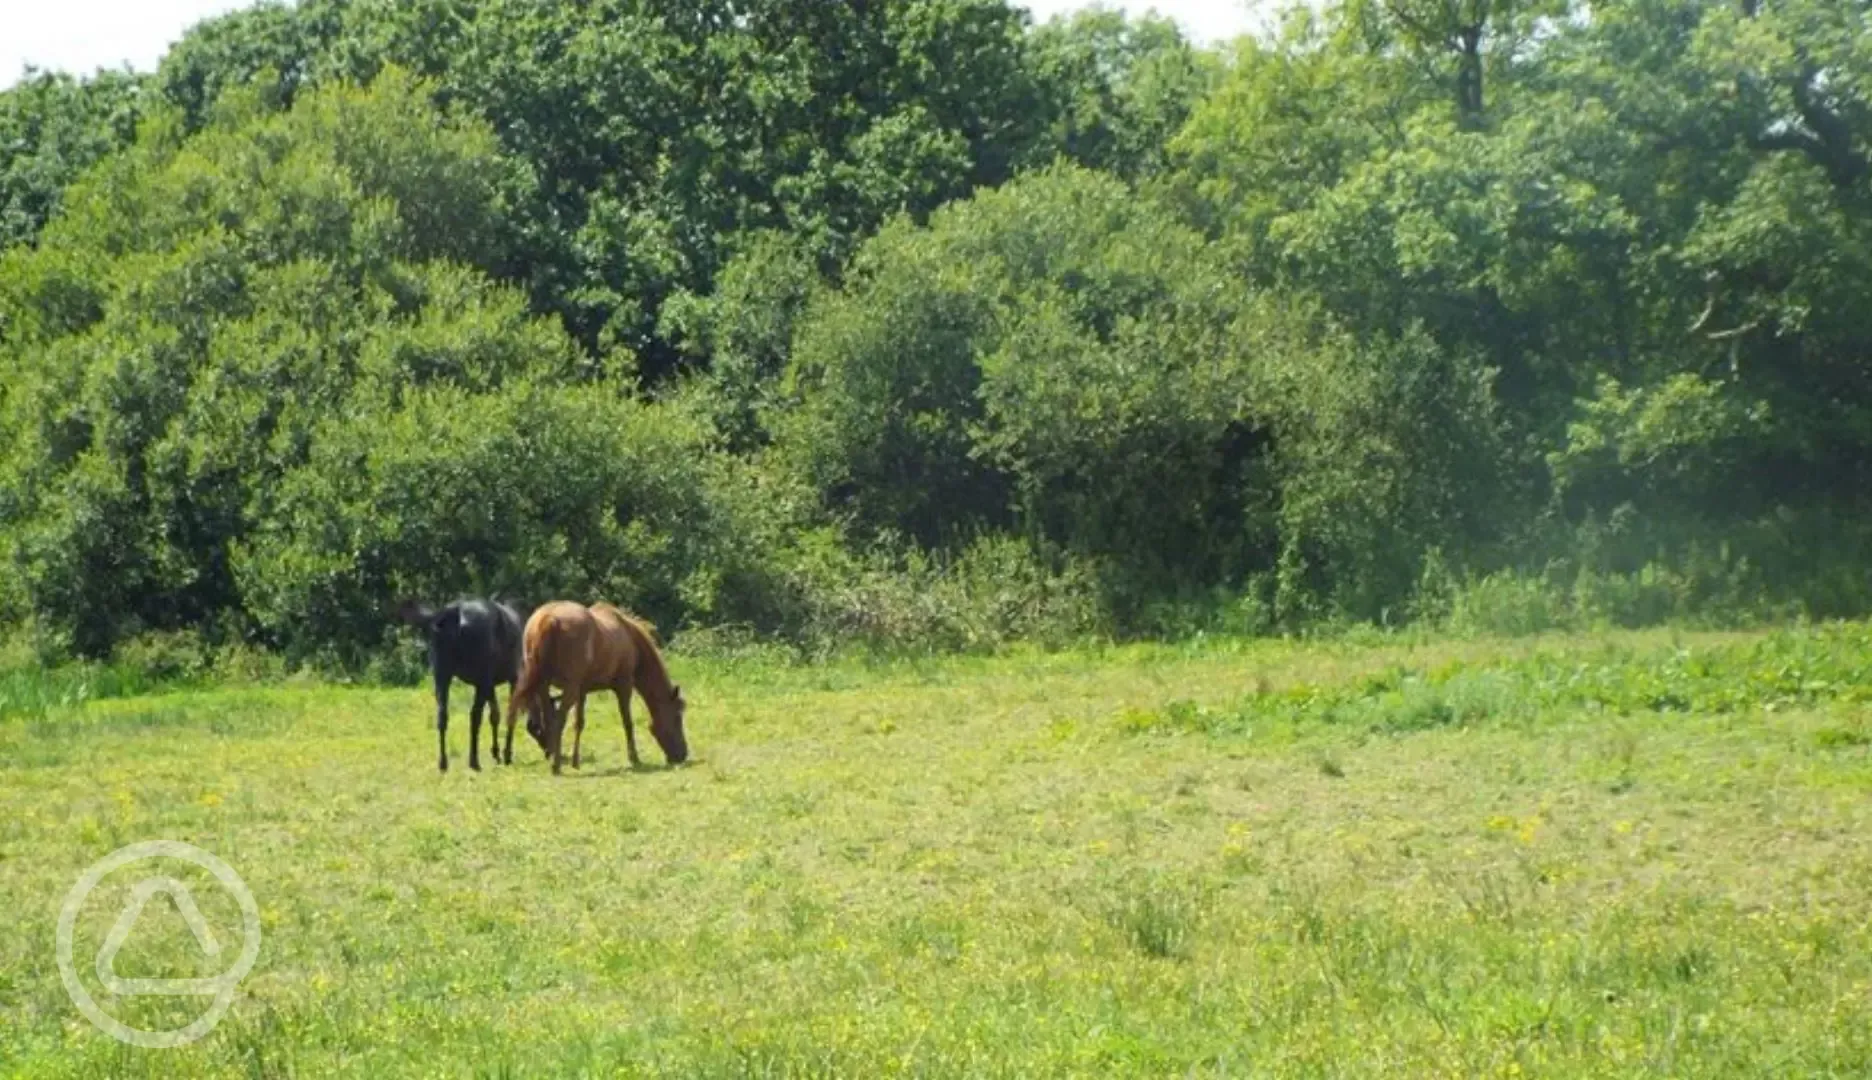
522	692
630	736
494	715
555	727
578	731
481	698
564	712
441	696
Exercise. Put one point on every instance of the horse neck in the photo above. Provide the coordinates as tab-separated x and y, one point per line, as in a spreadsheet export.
652	680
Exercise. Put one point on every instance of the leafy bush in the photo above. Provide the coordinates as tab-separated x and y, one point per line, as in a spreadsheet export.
241	285
1385	449
1051	358
1509	603
995	592
165	656
529	492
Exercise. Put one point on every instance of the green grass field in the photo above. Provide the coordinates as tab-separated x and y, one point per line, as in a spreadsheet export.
1618	856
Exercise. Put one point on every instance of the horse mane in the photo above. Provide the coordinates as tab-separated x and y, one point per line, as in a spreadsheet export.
649	628
644	625
652	656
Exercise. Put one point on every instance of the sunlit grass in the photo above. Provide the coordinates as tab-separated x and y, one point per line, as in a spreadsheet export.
1636	855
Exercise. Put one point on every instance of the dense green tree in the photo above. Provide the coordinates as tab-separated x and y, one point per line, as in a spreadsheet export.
272	38
199	303
1460	46
1647	229
535	491
832	312
1063	358
651	133
52	128
745	330
1115	90
1386	447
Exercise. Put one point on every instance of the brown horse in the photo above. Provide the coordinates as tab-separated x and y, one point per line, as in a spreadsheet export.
579	649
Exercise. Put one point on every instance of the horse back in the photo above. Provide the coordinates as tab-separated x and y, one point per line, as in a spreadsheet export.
477	641
561	644
618	647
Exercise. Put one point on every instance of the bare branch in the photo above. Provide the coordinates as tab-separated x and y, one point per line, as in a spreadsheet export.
1411	22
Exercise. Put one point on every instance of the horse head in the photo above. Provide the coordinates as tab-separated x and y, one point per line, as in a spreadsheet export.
417	614
536	722
666	726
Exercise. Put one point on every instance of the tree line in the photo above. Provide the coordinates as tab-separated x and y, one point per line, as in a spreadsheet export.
911	323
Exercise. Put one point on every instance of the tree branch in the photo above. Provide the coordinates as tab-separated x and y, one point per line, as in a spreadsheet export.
1738	331
1834	136
1791	139
1413	23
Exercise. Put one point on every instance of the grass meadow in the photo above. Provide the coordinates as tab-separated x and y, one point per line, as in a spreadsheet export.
1627	854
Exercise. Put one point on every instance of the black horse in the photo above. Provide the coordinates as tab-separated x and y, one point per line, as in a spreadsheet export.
478	642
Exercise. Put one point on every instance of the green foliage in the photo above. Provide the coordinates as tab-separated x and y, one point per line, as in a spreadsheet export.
1052	357
886	377
230	291
995	593
1627	570
271	41
444	490
168	658
1638	230
52	128
745	331
1384	450
1116	89
1508	603
648	136
1678	439
33	691
1511	316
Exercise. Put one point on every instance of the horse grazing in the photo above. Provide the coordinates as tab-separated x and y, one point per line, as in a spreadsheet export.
478	642
579	649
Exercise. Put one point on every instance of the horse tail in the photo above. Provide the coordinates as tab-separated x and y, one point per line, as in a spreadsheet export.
529	689
534	643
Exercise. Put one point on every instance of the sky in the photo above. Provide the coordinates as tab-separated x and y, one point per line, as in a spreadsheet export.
81	36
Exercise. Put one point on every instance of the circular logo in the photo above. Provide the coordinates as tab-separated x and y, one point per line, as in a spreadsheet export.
221	987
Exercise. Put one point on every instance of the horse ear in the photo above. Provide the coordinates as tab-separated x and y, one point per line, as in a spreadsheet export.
676	693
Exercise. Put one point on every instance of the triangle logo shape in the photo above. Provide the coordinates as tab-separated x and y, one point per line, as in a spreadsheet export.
140	896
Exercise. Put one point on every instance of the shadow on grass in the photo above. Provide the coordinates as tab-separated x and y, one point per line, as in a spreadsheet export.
587	772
